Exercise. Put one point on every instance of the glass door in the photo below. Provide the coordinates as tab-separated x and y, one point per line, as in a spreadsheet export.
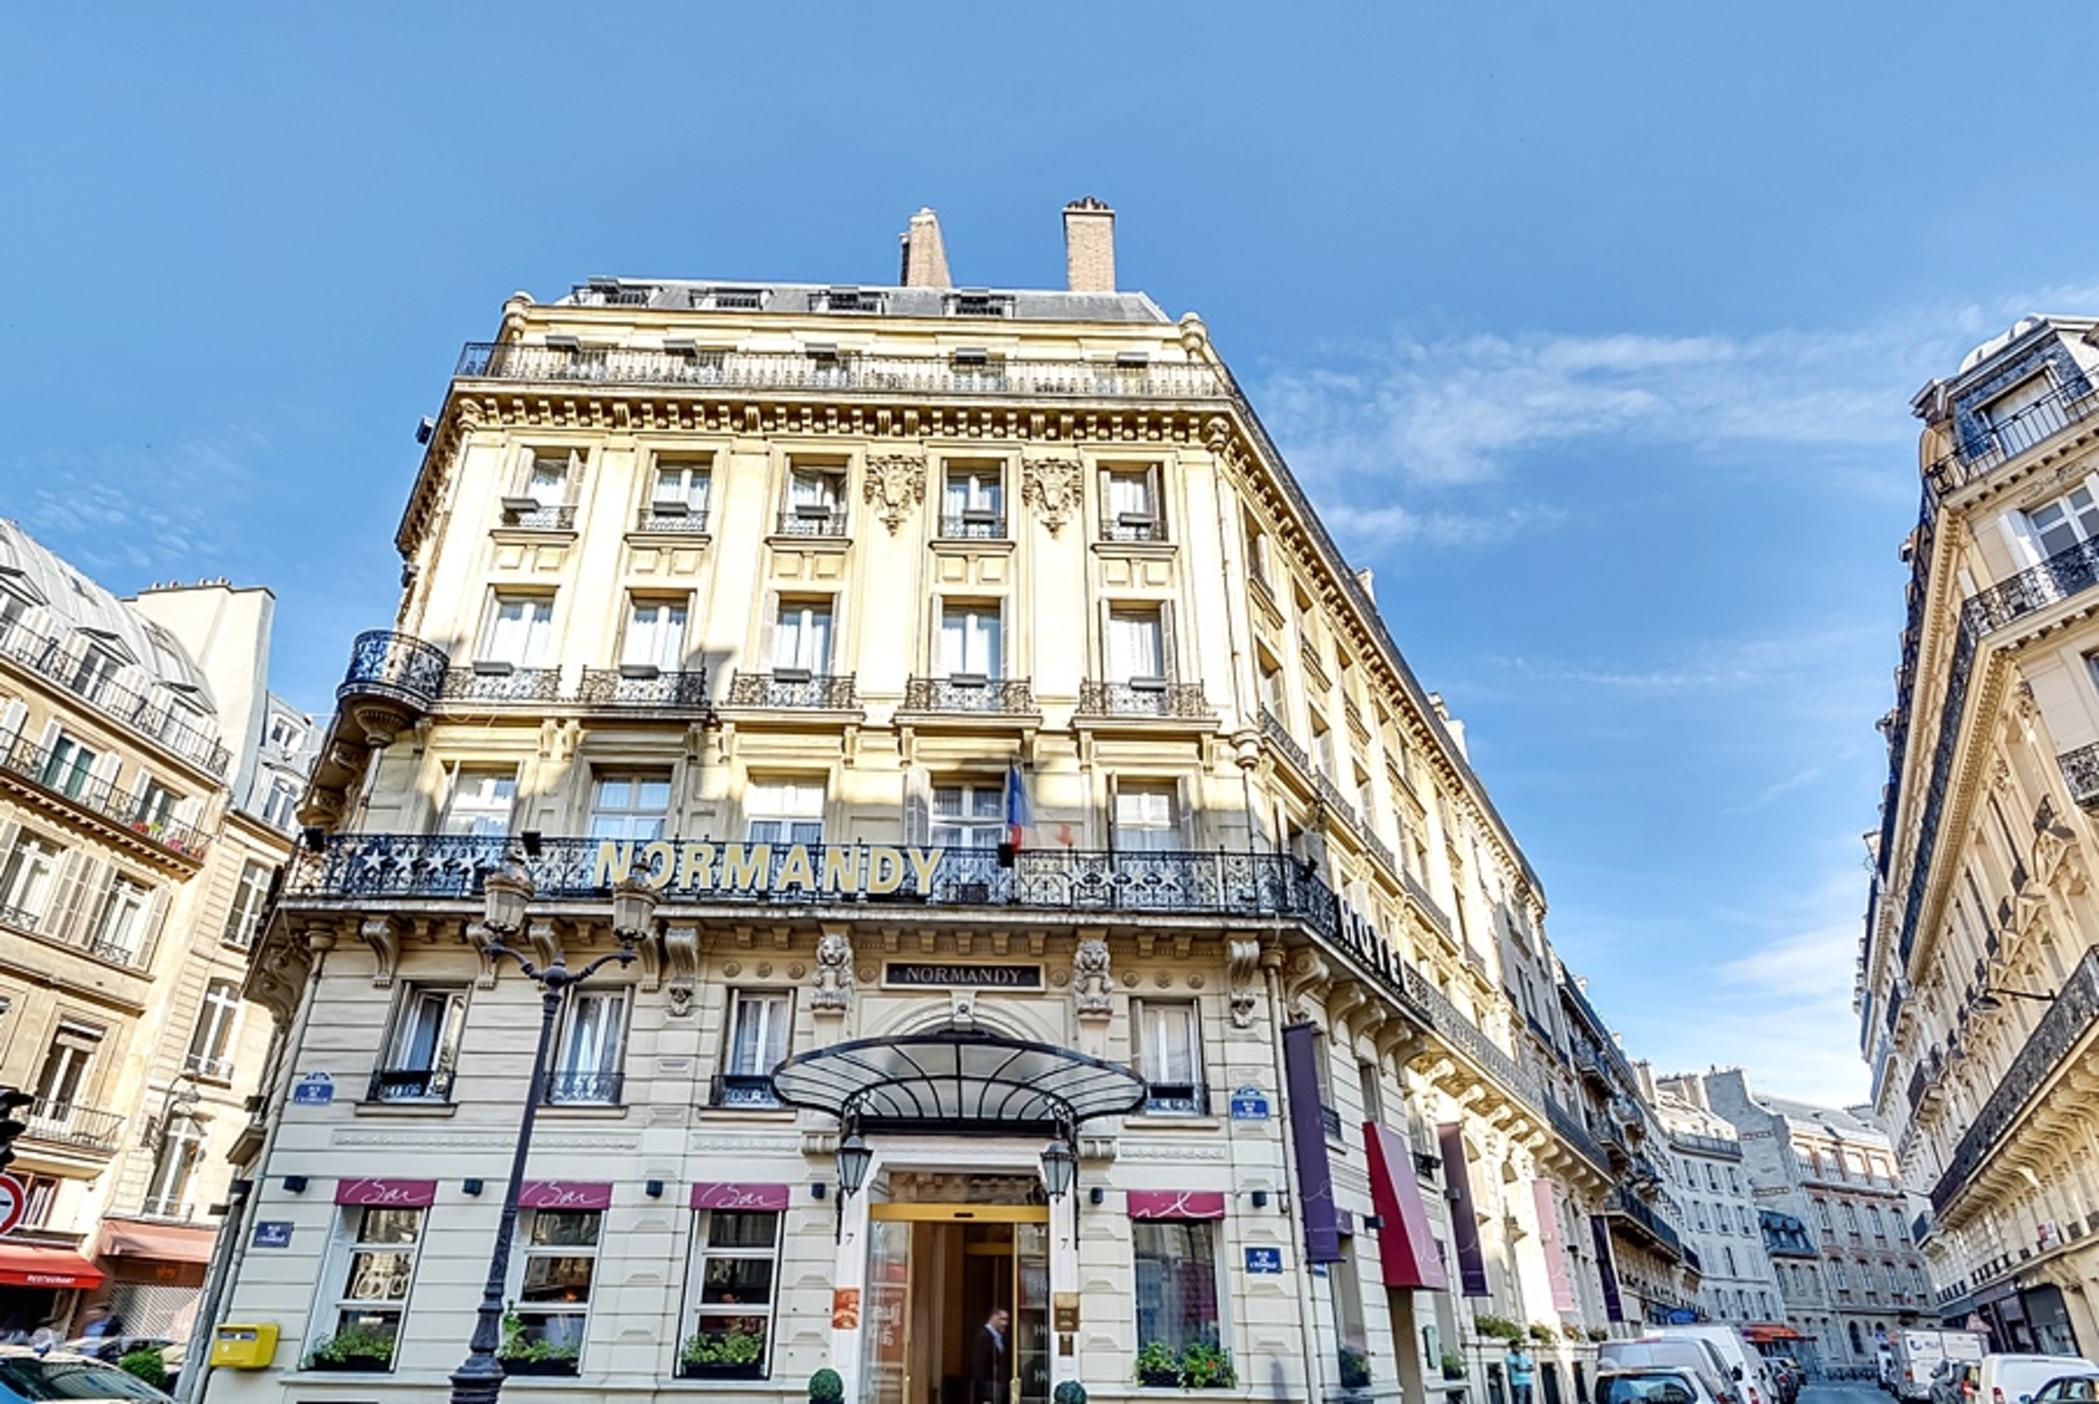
885	1311
1032	1342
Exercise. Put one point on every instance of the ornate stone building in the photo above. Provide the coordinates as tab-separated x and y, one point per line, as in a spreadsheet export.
1023	778
1978	989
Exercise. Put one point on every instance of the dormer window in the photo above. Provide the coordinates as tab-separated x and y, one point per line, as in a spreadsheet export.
95	669
729	299
2010	416
979	302
845	300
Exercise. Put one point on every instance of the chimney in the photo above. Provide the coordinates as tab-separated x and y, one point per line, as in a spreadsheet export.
1089	246
1367	579
1451	724
925	257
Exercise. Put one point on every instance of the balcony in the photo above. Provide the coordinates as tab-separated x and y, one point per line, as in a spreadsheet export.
1989	449
500	684
819	692
2081	773
812	521
1278	736
742	1090
209	1068
1176	1099
1148	697
650	688
538	517
973	526
60	778
81	1128
392	680
167	1209
160	721
2060	1030
986	696
1658	1231
2062	575
591	1087
1569	1128
671	519
804	371
410	1085
1708	1145
1133	528
1449	1023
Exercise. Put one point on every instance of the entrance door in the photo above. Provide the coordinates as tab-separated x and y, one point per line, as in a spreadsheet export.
936	1274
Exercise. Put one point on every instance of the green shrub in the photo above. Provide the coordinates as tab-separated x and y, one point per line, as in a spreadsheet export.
1206	1366
1069	1392
1543	1335
1599	1333
723	1348
145	1363
1453	1365
1572	1332
1156	1360
354	1343
515	1345
825	1387
1499	1327
1355	1368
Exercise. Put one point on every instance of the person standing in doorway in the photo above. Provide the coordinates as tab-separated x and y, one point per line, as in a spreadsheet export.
987	1360
1520	1367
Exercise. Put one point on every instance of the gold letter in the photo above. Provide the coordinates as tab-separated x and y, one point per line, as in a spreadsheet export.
885	869
841	868
925	862
614	861
696	867
662	859
745	867
795	869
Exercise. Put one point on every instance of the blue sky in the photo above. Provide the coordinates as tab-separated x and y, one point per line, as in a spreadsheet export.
1592	331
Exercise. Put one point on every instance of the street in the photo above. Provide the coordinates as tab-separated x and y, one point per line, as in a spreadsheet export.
1842	1392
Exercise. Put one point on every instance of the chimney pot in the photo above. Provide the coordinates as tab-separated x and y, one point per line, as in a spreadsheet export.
925	256
1089	246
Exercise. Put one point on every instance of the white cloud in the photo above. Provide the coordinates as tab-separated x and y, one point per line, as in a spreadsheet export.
146	510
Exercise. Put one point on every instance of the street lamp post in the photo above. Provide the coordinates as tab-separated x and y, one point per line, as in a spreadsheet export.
505	892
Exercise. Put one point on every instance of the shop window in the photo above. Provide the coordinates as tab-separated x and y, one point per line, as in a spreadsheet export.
1353	1339
551	1279
1170	1055
730	1296
378	1249
1176	1281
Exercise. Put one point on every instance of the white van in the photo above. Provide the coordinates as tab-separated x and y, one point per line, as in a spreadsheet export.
2008	1378
1743	1363
1917	1355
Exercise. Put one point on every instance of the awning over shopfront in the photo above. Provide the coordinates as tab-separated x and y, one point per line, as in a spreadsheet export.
34	1265
957	1079
165	1243
1770	1332
1405	1247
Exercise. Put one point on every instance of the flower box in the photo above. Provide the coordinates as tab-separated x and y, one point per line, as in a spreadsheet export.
689	1370
352	1365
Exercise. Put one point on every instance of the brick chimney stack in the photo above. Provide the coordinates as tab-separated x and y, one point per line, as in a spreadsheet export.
925	257
1089	246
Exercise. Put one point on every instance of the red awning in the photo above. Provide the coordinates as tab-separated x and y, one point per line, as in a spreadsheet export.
1761	1332
168	1243
28	1265
1404	1241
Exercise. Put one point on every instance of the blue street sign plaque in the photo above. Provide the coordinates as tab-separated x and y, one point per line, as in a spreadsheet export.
273	1233
1264	1260
1249	1104
316	1089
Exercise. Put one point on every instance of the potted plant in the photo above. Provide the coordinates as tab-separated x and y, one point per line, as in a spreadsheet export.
1355	1368
1543	1335
145	1363
1453	1365
825	1387
1498	1327
354	1349
1158	1366
722	1355
1572	1332
1069	1392
1206	1366
1599	1333
520	1355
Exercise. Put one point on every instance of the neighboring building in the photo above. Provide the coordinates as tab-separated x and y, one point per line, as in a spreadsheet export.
1832	1173
132	883
772	592
1978	986
1721	1214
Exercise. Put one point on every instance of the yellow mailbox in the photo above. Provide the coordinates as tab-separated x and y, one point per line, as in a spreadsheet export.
244	1347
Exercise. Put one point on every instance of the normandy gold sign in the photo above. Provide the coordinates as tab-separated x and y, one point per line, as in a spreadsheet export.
701	866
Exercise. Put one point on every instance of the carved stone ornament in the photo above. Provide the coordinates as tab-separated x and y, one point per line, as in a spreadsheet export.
384	937
832	991
894	485
1242	959
1054	488
681	953
1092	989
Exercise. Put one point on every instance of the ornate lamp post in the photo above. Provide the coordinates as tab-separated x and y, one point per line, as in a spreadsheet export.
505	892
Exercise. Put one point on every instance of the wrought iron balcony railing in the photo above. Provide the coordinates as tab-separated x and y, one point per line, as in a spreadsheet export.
397	666
742	1090
2081	773
2062	575
1568	1127
410	1085
1279	736
500	683
1708	1145
634	687
591	1087
1150	698
798	522
1148	530
561	517
74	1125
657	522
159	720
1989	449
41	765
805	691
971	526
1449	1022
1176	1099
1659	1230
203	1065
2061	1028
882	375
1437	917
1001	696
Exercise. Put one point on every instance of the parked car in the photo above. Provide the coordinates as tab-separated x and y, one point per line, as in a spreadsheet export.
1653	1387
1786	1375
1742	1361
1915	1356
1660	1354
2079	1388
2004	1378
27	1377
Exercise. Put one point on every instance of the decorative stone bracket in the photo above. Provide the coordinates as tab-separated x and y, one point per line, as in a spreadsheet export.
1242	964
383	935
681	952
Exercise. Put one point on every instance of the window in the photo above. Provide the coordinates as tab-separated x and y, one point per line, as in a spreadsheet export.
63	1082
211	1045
1147	817
93	671
424	1048
1880	1230
1259	563
2069	519
480	803
1373	1091
970	641
785	811
1354	1341
1130	505
120	921
802	638
69	767
26	880
815	499
249	895
1169	1055
1822	1214
286	732
587	1048
1729	1255
968	815
758	1031
974	504
283	799
655	635
551	1279
167	1190
1712	1177
1176	1283
547	480
2001	413
1322	747
629	806
40	1199
1272	688
680	490
517	631
1136	644
1850	1217
730	1297
381	1247
155	804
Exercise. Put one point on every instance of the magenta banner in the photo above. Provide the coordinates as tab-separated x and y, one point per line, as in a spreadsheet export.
386	1194
1555	1248
565	1194
1407	1252
722	1194
1315	1167
1176	1204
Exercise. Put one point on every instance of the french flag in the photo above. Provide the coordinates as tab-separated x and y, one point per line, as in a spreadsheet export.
1017	816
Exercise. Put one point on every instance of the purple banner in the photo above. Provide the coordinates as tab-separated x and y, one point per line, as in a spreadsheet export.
1613	1306
1315	1171
1464	1220
565	1194
710	1194
386	1194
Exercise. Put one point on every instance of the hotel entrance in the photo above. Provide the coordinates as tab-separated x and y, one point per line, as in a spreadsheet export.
936	1274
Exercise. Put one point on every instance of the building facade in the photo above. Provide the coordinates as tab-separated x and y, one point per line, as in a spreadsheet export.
1721	1221
1978	985
134	868
1017	765
1829	1172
